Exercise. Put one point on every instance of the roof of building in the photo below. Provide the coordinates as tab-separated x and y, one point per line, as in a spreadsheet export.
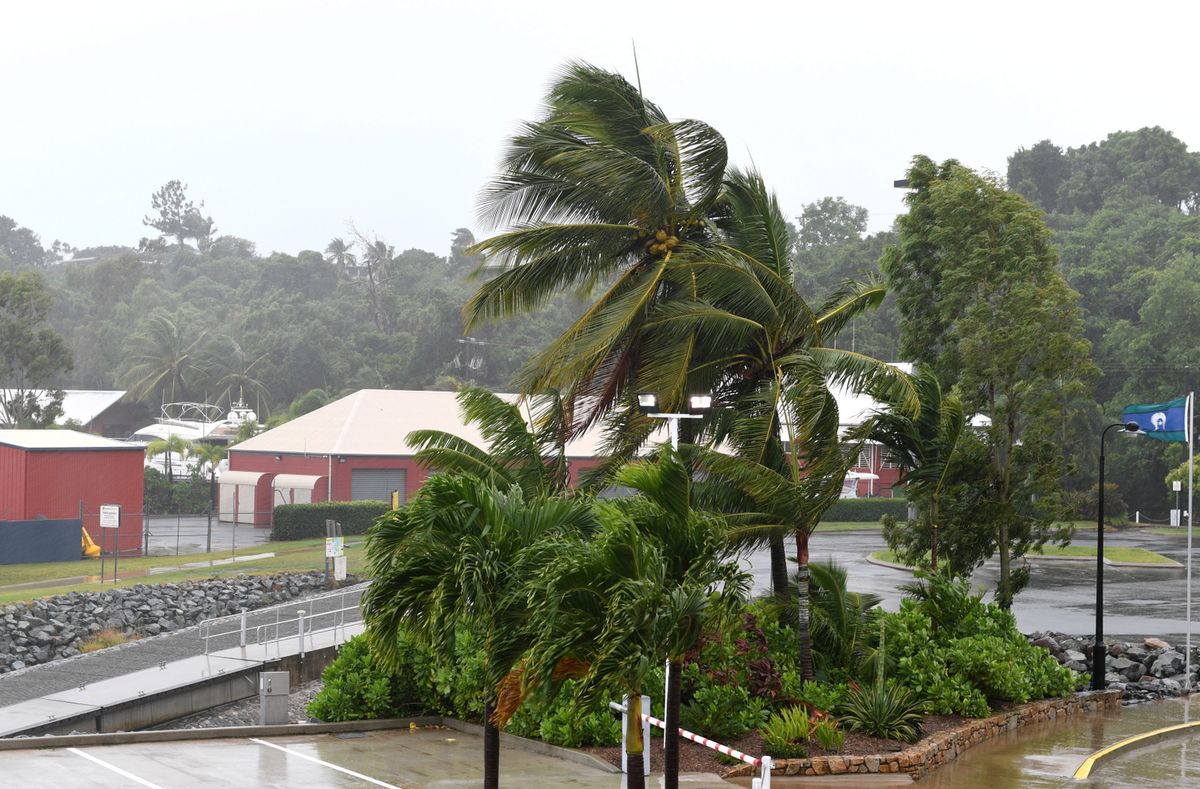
377	422
61	440
81	405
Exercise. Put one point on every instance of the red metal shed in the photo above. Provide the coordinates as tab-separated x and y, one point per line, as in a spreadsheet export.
53	473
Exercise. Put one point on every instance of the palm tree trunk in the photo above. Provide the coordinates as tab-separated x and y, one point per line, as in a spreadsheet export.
491	750
671	756
779	575
634	745
802	607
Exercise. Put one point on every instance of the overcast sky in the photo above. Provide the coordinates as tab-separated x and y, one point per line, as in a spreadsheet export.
290	120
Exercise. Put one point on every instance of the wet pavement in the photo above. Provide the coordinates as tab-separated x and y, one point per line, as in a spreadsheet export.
432	758
1061	595
175	535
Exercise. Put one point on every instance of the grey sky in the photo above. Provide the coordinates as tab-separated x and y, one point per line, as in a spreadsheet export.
292	119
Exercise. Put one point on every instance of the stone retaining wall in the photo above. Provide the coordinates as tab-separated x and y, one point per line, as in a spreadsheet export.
944	746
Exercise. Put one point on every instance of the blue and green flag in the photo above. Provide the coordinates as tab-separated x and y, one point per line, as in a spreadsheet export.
1160	421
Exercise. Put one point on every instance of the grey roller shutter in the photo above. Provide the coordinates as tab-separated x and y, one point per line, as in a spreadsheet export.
376	483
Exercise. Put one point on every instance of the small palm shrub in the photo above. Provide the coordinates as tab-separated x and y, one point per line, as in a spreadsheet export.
884	709
785	732
827	734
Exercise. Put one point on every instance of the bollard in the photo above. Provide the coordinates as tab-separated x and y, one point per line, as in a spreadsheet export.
766	772
242	636
300	629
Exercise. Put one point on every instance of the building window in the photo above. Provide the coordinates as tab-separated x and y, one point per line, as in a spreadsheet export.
889	460
864	456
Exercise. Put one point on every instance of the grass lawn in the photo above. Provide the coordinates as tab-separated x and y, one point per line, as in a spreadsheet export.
294	556
1113	554
849	526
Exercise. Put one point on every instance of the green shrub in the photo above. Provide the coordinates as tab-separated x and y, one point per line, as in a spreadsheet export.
358	688
558	724
821	695
871	509
301	521
827	734
784	733
884	709
188	494
723	711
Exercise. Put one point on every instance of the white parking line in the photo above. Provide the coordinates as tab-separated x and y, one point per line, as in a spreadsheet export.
290	752
115	769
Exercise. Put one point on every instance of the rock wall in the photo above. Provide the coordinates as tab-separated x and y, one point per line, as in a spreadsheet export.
56	627
1142	671
944	746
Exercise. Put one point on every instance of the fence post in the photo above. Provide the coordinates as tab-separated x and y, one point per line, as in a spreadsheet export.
300	627
624	729
766	772
645	736
242	637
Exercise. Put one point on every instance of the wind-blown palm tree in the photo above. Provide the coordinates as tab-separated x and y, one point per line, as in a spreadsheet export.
209	456
924	446
459	556
603	192
165	360
635	595
525	449
338	253
238	379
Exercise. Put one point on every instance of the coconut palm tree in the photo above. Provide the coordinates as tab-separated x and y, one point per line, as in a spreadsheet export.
459	556
166	358
209	456
338	253
638	593
237	380
525	448
603	193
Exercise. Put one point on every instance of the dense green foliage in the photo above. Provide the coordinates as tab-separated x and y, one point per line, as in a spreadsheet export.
300	521
187	496
885	709
32	354
865	510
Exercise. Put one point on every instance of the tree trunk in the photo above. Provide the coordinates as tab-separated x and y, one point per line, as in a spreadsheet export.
1004	593
806	663
491	750
671	756
779	576
634	745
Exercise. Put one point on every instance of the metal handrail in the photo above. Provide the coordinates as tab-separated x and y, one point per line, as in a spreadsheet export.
206	627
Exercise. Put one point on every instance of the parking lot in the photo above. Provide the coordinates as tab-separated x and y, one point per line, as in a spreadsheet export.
422	758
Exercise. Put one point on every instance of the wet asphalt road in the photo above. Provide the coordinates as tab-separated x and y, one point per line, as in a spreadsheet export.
1061	596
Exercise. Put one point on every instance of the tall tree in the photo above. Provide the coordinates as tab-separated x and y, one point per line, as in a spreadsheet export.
167	357
338	253
31	353
20	247
459	556
984	305
603	192
832	220
177	216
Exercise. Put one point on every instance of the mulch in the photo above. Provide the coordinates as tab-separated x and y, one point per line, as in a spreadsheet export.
694	758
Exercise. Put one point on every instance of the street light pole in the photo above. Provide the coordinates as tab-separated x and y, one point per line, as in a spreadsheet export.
1098	650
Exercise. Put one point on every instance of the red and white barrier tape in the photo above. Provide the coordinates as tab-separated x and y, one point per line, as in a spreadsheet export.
707	743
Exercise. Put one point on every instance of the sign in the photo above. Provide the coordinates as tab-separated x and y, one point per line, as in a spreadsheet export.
1175	519
110	516
339	568
1176	486
334	547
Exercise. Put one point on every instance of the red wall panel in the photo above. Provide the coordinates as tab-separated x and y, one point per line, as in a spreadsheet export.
56	483
12	483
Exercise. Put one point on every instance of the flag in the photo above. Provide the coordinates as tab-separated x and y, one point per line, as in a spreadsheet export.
1160	421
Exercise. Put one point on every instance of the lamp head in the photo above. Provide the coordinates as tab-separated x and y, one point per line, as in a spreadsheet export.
1132	427
700	402
647	402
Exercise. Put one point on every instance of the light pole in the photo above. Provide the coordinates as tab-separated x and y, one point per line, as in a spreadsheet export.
697	405
1098	649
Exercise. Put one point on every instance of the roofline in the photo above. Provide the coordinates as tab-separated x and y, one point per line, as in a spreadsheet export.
73	449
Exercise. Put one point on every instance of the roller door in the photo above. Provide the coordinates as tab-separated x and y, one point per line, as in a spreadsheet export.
376	483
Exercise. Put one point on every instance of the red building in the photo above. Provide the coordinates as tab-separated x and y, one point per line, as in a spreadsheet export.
56	474
354	448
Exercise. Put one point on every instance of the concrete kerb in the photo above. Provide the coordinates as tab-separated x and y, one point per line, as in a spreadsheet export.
535	746
1090	764
1170	564
225	732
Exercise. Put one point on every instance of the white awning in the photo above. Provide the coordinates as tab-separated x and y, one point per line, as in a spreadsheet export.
241	477
301	481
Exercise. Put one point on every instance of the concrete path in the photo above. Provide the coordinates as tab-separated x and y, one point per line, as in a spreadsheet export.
146	666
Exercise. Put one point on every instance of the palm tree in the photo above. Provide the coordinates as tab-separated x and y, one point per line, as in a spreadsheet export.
172	444
842	622
924	446
636	594
338	253
603	192
529	453
459	556
238	379
165	360
210	456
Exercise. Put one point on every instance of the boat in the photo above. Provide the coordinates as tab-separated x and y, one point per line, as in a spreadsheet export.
203	423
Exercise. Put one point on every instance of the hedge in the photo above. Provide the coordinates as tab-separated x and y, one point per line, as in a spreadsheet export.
300	521
864	510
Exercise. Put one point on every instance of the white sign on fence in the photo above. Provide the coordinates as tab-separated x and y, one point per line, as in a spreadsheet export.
339	568
110	516
334	547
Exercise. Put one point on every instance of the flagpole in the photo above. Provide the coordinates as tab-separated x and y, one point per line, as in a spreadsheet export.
1187	659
